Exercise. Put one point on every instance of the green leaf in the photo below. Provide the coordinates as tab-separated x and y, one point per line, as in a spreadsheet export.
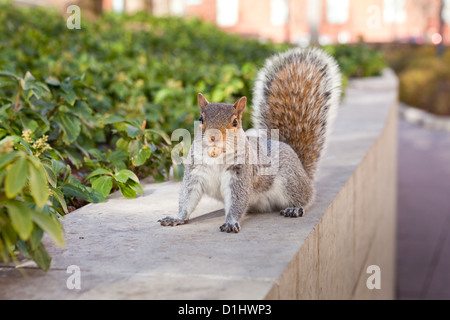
4	82
97	154
67	173
74	157
38	184
162	95
127	191
4	73
121	177
9	235
103	185
113	119
135	186
142	156
38	89
117	155
70	125
51	176
53	81
67	85
82	109
122	144
2	175
57	193
133	132
20	216
50	226
69	96
16	177
162	134
158	176
117	159
74	188
98	172
7	158
41	257
22	246
3	132
35	238
124	175
29	77
134	147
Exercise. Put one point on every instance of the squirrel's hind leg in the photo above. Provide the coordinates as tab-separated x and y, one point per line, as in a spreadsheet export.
292	212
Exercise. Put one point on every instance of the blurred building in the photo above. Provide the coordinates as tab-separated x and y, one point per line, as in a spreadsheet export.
301	21
328	21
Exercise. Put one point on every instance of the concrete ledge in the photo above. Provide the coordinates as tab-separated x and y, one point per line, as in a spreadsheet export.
123	252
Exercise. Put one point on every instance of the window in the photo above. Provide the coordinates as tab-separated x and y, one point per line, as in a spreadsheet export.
394	11
118	6
279	12
227	12
193	2
177	7
446	12
337	11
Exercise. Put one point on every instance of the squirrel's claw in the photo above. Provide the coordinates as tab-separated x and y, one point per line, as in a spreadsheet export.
170	221
230	227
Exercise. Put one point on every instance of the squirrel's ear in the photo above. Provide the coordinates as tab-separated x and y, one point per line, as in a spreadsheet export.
202	102
240	105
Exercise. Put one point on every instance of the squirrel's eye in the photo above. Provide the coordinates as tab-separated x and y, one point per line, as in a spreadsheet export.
201	119
235	123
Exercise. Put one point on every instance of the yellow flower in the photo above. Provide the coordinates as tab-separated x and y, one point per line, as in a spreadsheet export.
26	134
41	145
7	147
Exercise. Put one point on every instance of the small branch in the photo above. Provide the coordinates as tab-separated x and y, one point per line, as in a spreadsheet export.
16	106
52	113
144	123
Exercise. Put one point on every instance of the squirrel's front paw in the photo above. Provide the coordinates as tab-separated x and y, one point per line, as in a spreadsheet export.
230	227
170	221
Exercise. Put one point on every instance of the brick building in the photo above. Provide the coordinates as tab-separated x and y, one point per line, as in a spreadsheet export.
328	21
300	21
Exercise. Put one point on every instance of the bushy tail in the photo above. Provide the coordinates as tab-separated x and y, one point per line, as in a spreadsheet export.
298	92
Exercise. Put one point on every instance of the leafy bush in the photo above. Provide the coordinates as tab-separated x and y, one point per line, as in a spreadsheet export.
39	124
357	60
84	113
424	78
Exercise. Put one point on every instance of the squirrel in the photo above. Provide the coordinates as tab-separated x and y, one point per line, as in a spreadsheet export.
297	92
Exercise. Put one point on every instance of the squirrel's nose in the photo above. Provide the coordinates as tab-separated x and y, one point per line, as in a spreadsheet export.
213	138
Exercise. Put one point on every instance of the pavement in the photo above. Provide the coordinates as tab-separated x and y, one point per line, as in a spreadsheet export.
423	239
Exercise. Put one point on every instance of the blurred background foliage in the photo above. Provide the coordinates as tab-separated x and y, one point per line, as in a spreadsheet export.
424	76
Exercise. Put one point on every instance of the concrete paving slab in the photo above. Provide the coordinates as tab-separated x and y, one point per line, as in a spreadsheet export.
423	212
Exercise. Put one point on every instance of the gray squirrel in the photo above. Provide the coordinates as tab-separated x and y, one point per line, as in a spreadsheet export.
296	92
